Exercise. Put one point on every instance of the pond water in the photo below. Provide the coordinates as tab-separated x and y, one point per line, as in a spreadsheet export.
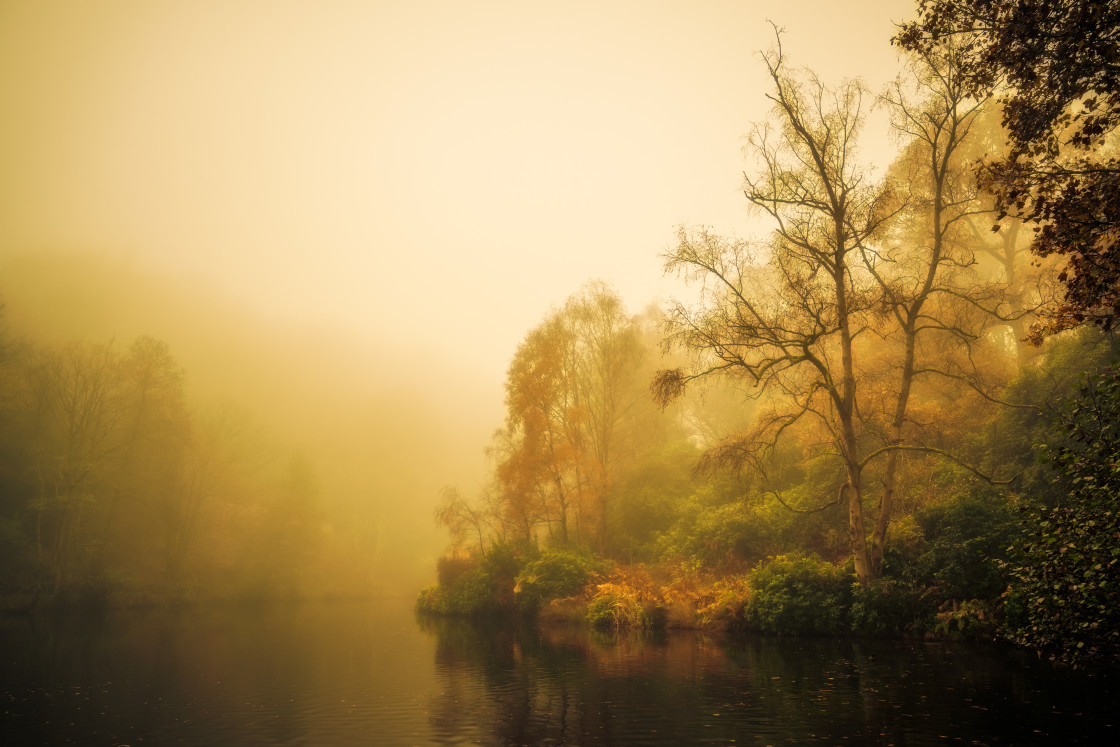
371	673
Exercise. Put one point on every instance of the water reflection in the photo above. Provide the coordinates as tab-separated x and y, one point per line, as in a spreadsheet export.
341	674
564	685
281	674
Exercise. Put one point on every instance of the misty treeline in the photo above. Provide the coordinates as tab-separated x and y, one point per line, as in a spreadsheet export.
842	429
115	487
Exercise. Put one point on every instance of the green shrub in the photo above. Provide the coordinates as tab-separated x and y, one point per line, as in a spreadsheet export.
1065	590
888	606
557	573
799	595
429	601
502	565
727	530
965	538
449	569
714	536
482	591
472	594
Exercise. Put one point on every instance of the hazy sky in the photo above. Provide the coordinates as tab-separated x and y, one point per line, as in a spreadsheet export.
436	174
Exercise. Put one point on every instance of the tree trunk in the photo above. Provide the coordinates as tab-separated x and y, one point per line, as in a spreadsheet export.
890	476
857	537
846	407
603	525
562	501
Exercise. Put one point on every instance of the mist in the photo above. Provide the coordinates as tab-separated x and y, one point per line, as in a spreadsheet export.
339	225
524	373
376	429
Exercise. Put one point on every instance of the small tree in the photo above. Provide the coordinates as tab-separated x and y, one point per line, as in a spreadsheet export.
465	521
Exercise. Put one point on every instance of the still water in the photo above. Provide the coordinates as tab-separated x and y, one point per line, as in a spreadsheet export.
323	674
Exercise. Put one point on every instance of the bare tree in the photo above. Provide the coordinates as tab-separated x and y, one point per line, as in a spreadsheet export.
932	264
463	519
75	399
788	317
863	291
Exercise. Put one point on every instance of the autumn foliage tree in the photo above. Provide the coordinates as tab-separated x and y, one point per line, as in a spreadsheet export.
539	461
575	402
569	392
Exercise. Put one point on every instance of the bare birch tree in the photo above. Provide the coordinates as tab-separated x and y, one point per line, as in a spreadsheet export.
788	317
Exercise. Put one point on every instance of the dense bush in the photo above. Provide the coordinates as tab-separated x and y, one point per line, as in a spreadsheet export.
614	607
714	536
482	591
964	539
630	598
799	595
450	568
947	553
887	606
971	620
1065	591
555	574
1017	432
725	603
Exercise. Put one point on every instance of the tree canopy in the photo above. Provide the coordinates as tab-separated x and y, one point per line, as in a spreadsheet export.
1056	67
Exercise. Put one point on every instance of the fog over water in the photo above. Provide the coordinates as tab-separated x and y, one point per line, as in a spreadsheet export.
344	217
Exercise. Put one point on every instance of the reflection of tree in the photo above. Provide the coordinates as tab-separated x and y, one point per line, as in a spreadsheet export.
571	686
568	685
